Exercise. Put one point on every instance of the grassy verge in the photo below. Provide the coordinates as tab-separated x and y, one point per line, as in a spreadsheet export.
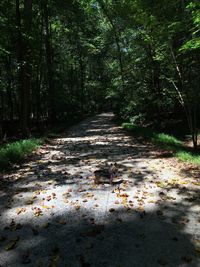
15	152
164	141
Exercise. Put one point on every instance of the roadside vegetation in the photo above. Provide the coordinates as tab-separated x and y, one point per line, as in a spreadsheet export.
17	151
165	141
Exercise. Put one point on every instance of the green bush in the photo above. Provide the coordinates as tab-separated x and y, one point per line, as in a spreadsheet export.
137	130
17	151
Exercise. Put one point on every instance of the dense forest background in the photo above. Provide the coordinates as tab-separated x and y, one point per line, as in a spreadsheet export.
63	60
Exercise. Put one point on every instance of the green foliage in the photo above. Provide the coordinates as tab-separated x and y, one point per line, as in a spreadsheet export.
139	131
167	141
139	58
17	151
160	139
194	43
189	157
164	141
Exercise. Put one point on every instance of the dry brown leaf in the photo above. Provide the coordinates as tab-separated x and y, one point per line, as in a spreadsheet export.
29	202
89	195
77	207
20	210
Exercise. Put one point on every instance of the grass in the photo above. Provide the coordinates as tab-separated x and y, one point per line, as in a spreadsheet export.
164	141
167	141
15	152
189	157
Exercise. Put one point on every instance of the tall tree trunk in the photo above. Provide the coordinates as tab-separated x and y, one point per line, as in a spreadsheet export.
24	62
49	61
82	78
39	75
184	98
9	88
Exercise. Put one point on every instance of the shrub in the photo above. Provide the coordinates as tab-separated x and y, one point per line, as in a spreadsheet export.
15	152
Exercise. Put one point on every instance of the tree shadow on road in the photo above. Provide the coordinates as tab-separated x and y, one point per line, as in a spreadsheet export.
121	238
125	236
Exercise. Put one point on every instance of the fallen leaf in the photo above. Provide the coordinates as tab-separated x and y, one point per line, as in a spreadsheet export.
152	201
196	183
62	221
45	225
48	198
140	208
77	207
111	210
92	220
20	210
29	202
45	207
37	212
12	244
89	195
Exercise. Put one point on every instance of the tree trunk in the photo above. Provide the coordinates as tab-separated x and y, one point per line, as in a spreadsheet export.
9	89
24	63
49	61
119	54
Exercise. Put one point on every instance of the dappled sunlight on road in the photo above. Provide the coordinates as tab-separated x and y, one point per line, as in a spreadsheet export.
53	213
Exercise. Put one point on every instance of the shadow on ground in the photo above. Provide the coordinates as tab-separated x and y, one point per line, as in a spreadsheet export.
140	230
120	241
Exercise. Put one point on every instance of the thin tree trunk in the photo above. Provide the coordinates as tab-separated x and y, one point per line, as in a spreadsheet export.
116	41
24	64
190	111
49	61
9	89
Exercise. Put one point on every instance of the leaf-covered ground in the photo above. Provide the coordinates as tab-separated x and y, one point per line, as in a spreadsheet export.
52	214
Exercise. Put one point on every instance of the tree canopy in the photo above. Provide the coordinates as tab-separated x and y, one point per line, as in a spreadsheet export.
61	60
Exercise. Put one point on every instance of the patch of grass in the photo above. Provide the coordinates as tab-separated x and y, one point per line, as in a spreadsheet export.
15	152
167	141
137	130
164	141
160	139
189	157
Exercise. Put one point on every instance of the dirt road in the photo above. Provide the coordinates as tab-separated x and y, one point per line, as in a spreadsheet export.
52	214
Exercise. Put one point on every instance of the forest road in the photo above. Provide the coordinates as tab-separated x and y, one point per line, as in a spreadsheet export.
52	213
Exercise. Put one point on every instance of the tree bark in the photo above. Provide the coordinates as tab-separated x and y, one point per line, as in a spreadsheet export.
24	63
49	61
